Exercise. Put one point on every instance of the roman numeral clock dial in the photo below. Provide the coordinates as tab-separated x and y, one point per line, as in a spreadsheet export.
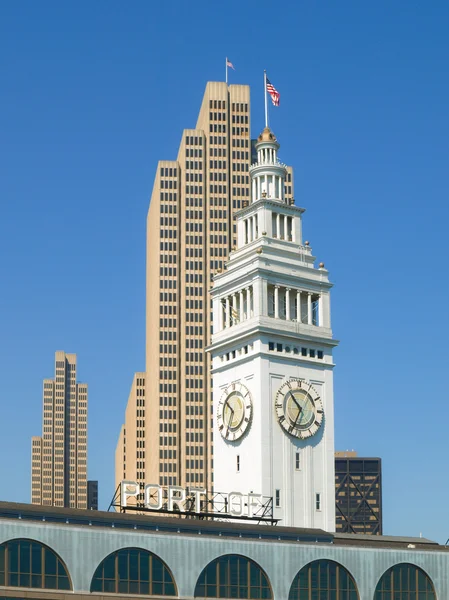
299	408
234	411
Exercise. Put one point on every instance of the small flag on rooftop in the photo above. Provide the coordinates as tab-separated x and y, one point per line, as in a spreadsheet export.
229	65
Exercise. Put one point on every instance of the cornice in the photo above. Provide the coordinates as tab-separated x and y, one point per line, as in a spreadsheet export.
269	203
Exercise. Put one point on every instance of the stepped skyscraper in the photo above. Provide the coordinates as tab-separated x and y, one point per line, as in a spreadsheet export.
59	457
167	437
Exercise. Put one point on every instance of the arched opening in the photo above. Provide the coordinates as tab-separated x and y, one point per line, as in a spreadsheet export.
233	576
133	571
30	564
405	581
323	579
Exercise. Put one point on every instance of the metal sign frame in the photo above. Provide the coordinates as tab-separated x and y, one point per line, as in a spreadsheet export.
214	506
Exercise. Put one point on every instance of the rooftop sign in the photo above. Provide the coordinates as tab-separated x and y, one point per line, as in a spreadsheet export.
130	496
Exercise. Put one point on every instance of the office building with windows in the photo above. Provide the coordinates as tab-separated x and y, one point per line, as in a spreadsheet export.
59	457
358	493
190	232
130	449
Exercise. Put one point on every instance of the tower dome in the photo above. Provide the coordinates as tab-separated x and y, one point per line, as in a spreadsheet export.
267	136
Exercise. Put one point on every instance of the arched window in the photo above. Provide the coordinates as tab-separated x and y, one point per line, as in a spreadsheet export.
133	571
233	576
323	579
27	563
406	582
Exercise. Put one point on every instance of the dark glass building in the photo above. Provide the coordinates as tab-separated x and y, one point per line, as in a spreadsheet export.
358	493
92	495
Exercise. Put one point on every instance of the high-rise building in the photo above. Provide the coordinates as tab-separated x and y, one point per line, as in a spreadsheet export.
59	457
358	493
190	231
130	450
272	360
92	495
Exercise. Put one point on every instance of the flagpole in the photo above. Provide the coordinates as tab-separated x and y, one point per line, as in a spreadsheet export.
226	70
265	95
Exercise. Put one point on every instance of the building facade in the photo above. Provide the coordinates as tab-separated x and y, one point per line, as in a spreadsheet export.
358	493
272	358
130	449
190	231
59	457
58	554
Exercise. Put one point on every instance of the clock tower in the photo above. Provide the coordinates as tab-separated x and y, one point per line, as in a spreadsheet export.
272	358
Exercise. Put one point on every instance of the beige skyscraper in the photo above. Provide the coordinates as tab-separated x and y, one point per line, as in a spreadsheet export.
190	231
59	457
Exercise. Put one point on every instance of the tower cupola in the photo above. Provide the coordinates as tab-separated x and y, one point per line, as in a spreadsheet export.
268	173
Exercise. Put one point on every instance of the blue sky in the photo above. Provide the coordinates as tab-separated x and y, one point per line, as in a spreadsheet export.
94	93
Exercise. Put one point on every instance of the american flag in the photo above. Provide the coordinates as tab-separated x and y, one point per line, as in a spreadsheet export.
229	64
275	95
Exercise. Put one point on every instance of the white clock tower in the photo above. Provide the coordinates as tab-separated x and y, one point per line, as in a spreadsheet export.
272	359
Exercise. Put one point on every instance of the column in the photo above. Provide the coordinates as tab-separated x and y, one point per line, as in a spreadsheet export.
278	225
220	315
254	190
309	308
298	306
255	227
320	311
276	302
227	310
242	316
287	304
234	313
293	230
285	227
248	302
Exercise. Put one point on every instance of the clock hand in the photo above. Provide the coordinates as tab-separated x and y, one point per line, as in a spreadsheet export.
232	415
299	407
295	401
297	417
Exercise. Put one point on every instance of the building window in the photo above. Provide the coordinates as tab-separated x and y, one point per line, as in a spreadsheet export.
319	354
324	579
238	463
318	501
406	582
277	498
297	461
133	571
303	351
270	345
29	564
233	576
279	347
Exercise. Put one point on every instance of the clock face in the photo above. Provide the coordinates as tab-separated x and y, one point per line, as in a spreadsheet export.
298	408
234	411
